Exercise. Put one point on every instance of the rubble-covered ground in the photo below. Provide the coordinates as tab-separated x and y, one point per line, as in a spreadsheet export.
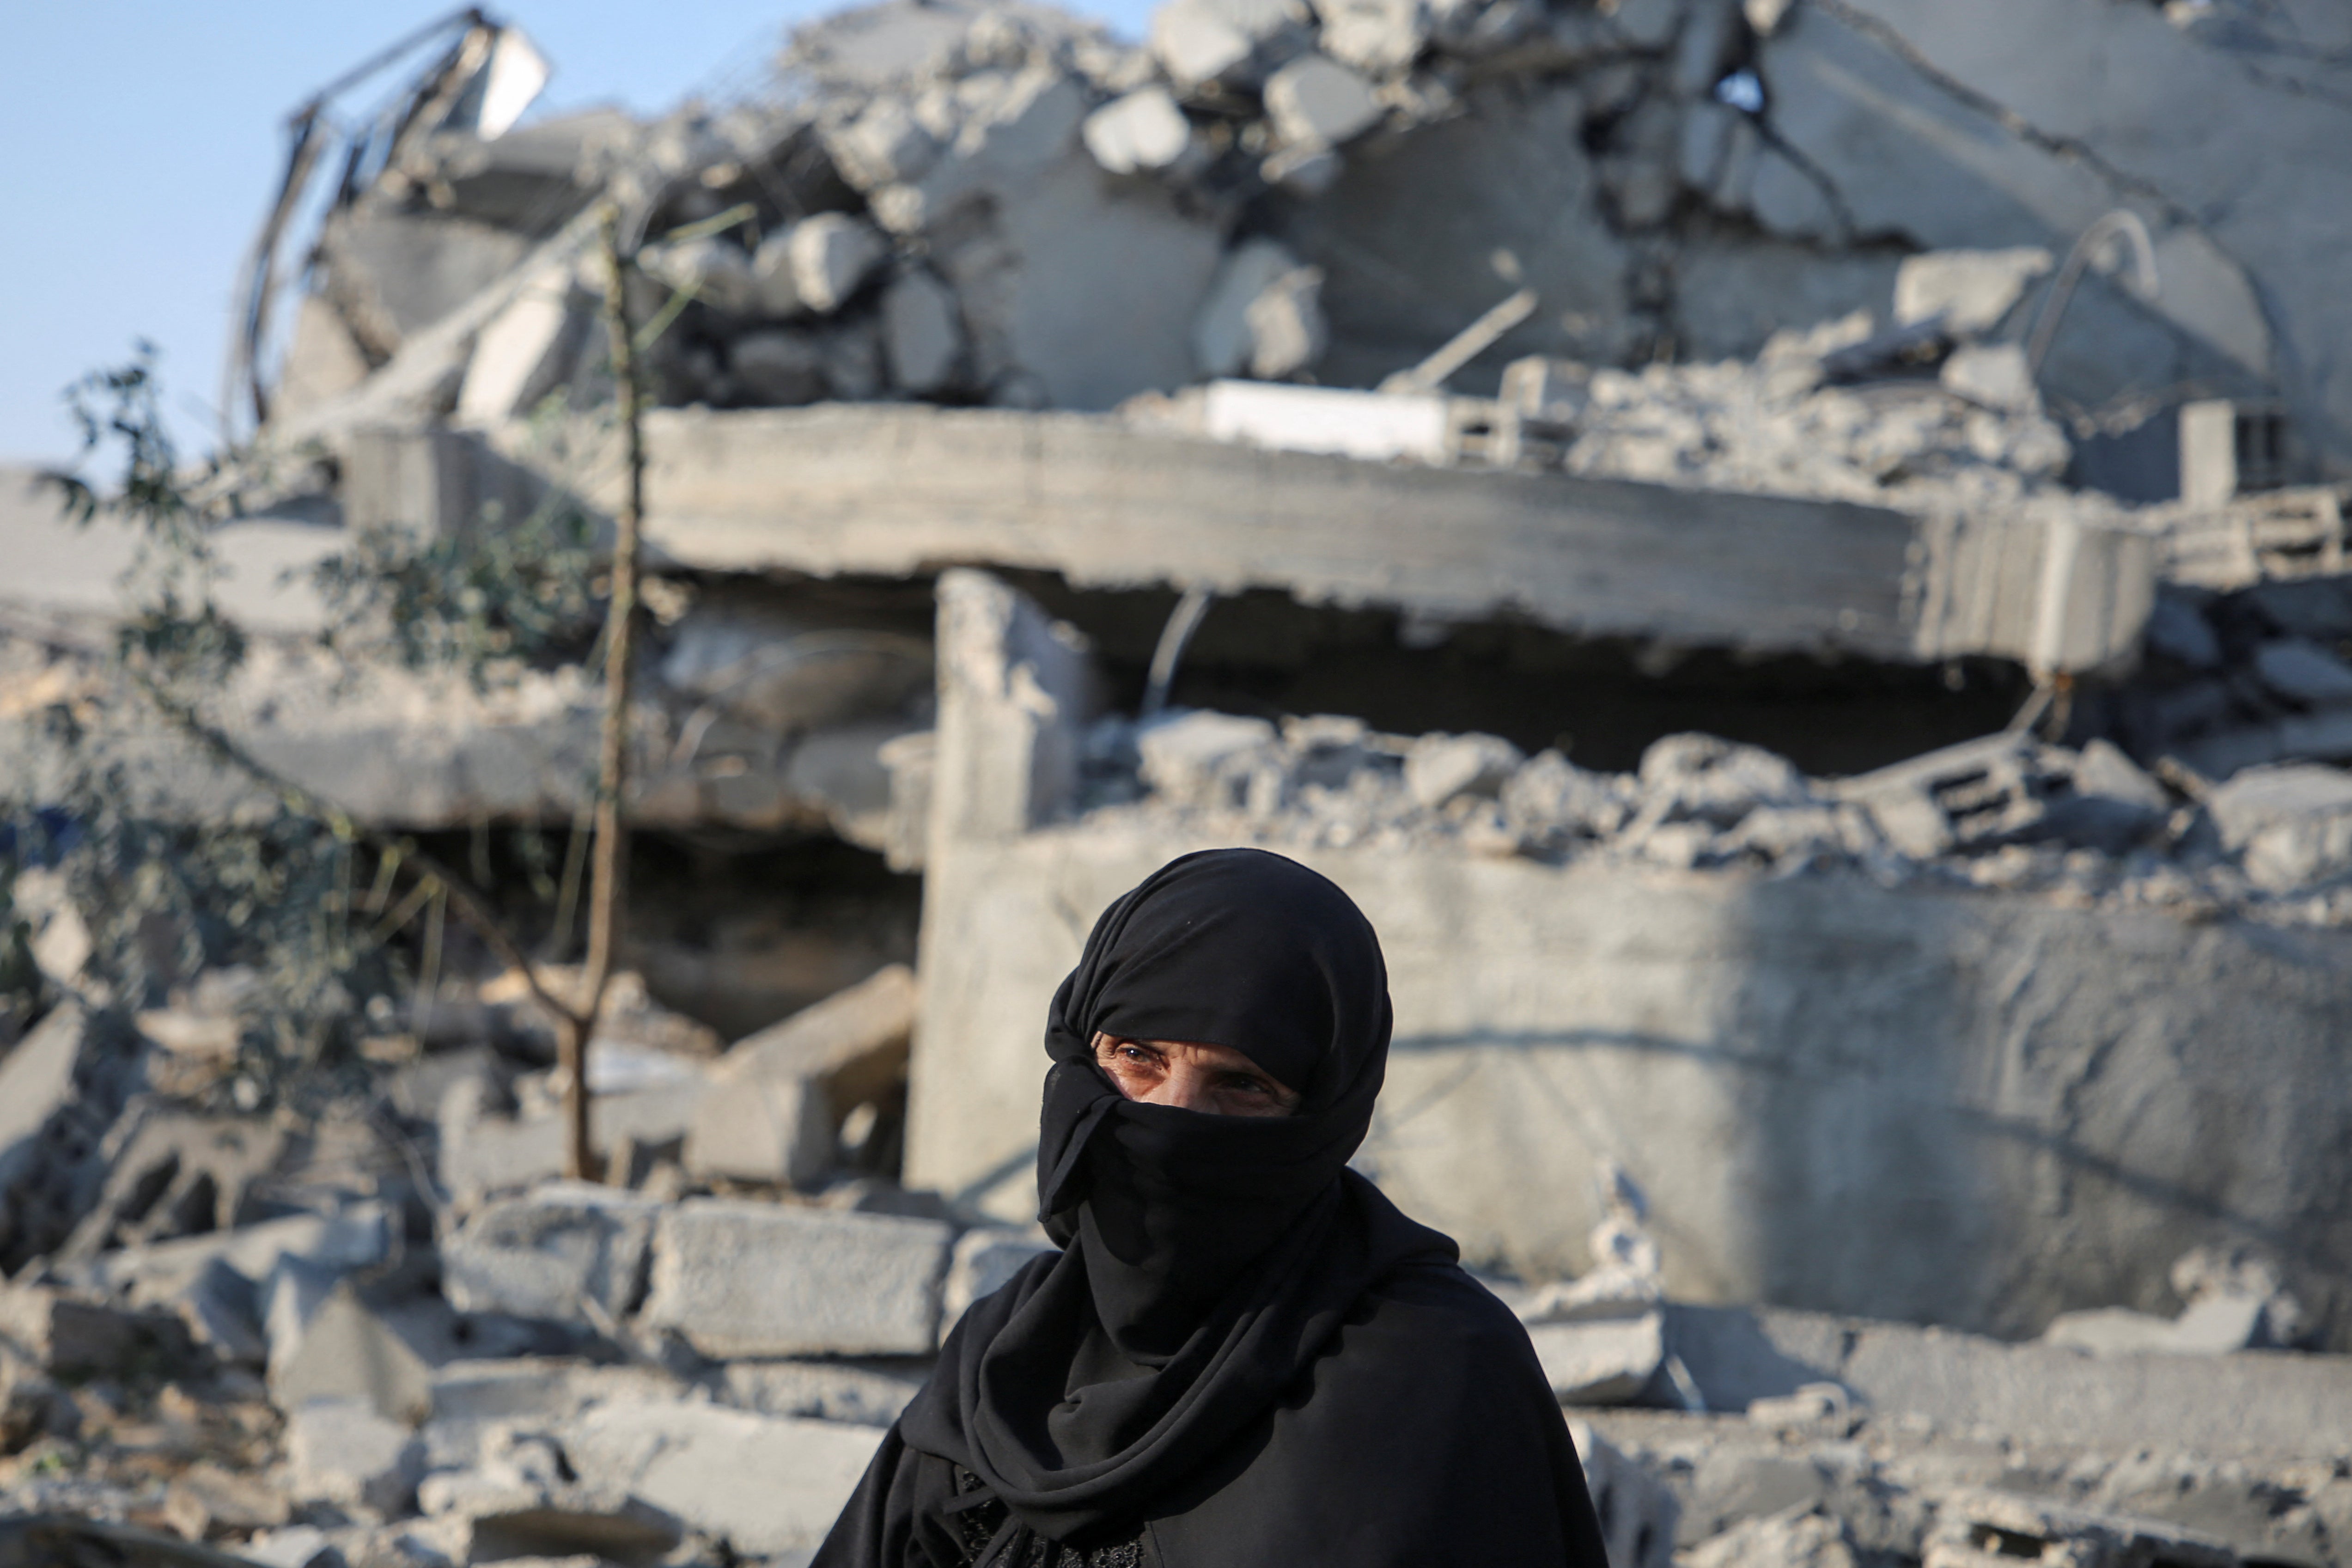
2086	826
387	1334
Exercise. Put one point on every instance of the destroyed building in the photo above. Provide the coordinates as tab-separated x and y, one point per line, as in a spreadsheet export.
1790	554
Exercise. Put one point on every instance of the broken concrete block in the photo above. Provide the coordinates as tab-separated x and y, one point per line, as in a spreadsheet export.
521	1500
2104	771
1287	329
1800	1537
778	1130
1994	375
174	1172
1315	101
1231	41
1987	1528
853	361
1441	767
1788	200
74	1338
749	664
348	1353
769	1486
343	1451
872	1395
984	1262
1971	292
1551	799
1821	1408
223	1310
162	1271
2110	1331
1715	780
1196	758
1381	38
774	284
714	269
1636	1511
473	1399
482	1152
527	349
743	1278
289	1299
885	144
568	1252
1224	340
2221	1323
1140	133
206	1502
296	1546
1601	1361
780	1095
833	255
2302	671
922	337
2290	822
1979	790
1016	690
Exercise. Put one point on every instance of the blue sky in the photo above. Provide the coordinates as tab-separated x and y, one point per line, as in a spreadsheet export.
139	142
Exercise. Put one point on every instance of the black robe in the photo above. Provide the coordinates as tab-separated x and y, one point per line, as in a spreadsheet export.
1244	1356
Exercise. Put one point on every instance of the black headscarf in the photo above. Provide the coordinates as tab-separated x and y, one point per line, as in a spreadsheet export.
1237	1321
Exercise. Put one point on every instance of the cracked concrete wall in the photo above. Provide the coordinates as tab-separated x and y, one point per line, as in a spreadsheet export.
1977	1111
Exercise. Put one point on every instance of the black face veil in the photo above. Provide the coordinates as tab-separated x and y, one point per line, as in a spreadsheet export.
1243	1345
1235	947
1207	1259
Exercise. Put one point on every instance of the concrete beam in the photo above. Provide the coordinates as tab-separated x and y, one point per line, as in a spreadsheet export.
899	491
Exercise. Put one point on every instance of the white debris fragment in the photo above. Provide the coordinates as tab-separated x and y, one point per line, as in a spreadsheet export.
1314	102
1263	314
1439	768
1994	375
1970	293
1141	132
832	255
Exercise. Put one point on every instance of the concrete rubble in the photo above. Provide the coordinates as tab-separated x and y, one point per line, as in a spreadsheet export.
1791	554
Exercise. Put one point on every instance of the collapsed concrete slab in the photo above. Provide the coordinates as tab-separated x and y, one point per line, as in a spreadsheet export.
901	491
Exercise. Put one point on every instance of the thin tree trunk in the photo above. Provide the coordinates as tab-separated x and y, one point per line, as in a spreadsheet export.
609	875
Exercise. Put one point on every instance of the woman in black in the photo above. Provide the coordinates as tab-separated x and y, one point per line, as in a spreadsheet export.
1244	1356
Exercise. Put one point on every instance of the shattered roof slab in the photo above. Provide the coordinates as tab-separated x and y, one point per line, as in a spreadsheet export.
899	491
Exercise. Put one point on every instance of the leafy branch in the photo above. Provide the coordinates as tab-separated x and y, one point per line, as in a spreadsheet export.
491	593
